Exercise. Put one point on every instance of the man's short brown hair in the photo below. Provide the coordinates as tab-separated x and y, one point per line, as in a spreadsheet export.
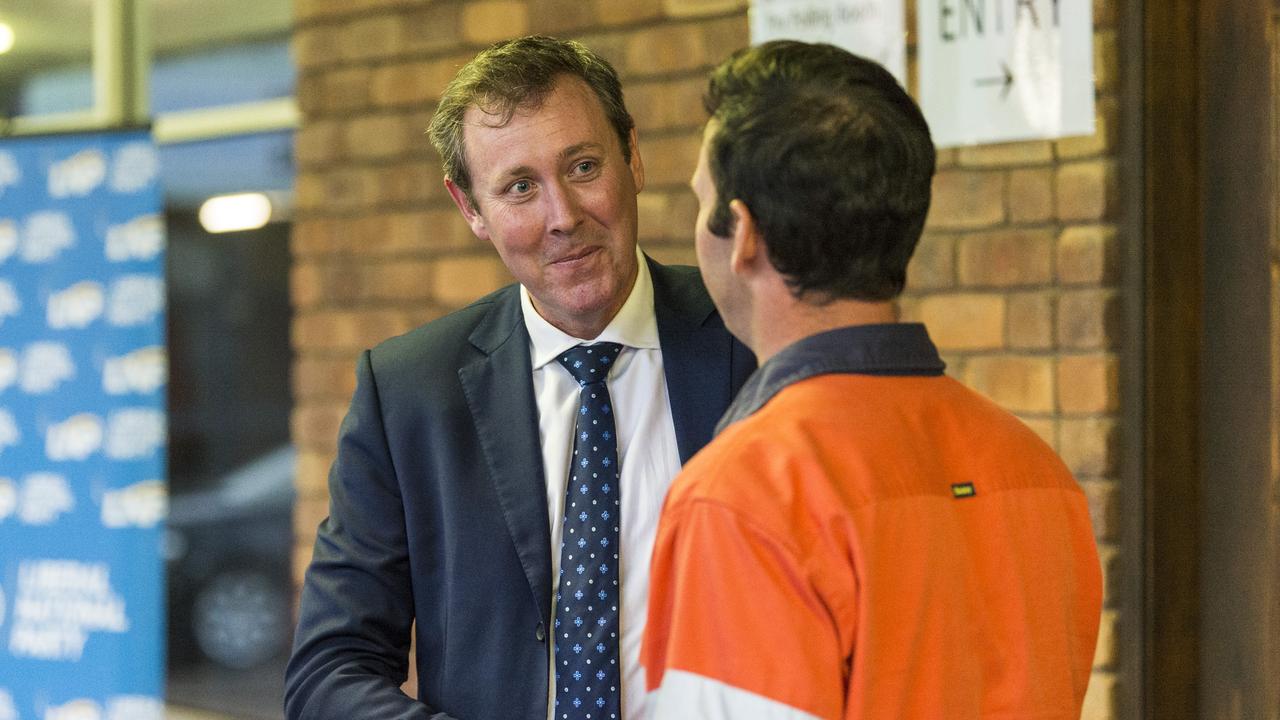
518	74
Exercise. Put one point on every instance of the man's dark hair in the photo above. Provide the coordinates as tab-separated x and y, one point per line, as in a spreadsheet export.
833	159
514	75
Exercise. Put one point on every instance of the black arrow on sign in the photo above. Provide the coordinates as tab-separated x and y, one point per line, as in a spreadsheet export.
1005	81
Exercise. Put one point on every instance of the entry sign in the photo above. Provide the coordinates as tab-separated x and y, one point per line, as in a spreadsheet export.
871	28
1004	70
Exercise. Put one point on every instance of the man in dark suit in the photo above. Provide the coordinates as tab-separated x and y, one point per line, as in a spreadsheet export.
500	471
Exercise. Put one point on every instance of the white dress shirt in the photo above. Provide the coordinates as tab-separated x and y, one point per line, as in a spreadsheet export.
646	448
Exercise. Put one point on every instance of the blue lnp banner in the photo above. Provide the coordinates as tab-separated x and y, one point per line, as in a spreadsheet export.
82	428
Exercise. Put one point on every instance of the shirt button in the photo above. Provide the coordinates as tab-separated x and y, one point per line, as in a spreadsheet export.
541	633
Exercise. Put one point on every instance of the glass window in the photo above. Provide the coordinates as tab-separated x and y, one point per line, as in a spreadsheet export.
228	52
231	467
49	66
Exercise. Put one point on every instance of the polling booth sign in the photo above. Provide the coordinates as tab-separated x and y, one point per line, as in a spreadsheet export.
82	428
871	28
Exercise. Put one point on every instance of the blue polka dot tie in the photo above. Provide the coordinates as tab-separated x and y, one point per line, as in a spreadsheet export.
588	679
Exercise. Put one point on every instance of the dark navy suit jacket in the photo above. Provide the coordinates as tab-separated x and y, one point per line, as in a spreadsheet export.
438	513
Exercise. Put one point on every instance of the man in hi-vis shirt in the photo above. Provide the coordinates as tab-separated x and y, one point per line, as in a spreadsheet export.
865	537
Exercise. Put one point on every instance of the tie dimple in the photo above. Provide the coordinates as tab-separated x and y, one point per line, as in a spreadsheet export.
588	677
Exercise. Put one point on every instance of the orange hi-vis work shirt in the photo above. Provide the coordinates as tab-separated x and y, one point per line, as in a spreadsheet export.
871	547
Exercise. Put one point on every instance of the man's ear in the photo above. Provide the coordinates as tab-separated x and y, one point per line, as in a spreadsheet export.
748	247
469	211
637	165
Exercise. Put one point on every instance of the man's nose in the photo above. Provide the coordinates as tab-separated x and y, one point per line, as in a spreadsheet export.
564	208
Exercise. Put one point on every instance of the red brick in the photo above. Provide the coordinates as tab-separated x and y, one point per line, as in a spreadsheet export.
318	143
667	104
313	474
413	181
1006	258
1089	446
1100	698
367	38
1019	384
1106	60
1089	383
460	280
1088	319
666	48
346	330
1035	152
1087	191
966	199
488	21
398	280
315	425
697	8
933	266
412	83
669	161
1031	195
306	285
667	215
1104	654
964	322
343	91
561	17
1045	428
613	12
323	378
1030	321
1104	507
722	37
1088	254
315	47
432	28
428	231
372	137
352	189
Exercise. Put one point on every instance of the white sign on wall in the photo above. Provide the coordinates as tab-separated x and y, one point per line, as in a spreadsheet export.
874	29
1004	70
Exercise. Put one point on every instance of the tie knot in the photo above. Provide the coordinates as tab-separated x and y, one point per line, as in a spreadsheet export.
590	363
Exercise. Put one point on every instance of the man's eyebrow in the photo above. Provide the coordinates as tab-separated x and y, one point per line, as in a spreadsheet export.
575	149
523	170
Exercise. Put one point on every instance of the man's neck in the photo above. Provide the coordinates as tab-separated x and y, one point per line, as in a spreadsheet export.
779	324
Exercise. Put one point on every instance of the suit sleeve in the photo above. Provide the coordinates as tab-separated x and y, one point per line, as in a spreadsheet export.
350	653
735	628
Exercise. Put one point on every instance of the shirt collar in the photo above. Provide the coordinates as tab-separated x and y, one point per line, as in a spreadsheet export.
888	349
635	325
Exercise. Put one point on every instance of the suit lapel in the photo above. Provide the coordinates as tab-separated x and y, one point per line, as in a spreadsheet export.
499	391
696	355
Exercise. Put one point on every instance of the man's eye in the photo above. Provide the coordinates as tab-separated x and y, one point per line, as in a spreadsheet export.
585	166
521	187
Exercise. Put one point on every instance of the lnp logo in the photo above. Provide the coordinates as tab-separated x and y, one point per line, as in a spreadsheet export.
136	166
46	235
78	175
8	502
142	238
8	711
74	307
139	505
75	438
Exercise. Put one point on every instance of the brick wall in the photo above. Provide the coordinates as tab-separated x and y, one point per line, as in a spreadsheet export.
1017	275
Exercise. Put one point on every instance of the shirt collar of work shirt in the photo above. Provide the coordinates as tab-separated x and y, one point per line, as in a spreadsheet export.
888	349
635	325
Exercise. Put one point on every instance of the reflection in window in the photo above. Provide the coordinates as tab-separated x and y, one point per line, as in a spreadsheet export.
231	467
49	67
